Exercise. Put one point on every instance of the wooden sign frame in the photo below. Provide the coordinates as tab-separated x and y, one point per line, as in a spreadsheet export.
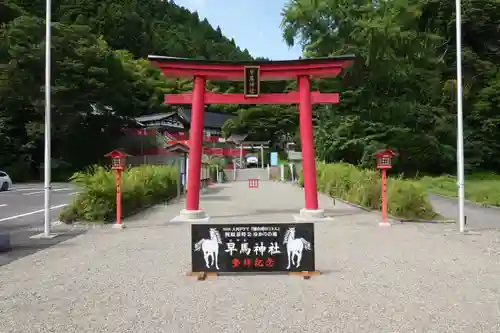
248	72
252	248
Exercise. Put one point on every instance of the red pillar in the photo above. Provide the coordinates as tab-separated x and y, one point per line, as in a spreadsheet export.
118	197
384	196
196	144
306	134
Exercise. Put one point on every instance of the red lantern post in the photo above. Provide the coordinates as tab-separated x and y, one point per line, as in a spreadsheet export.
384	162
118	164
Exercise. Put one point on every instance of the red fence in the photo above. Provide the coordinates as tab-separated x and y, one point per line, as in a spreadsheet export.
253	182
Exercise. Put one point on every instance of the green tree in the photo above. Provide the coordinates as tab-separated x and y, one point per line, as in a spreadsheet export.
265	123
480	68
94	91
390	97
100	77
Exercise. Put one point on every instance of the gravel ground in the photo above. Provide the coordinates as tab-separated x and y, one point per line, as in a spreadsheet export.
408	278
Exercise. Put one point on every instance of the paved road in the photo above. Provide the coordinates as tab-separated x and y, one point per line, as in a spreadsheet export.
21	215
478	217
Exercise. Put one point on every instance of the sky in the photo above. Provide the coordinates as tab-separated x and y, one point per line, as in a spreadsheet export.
254	24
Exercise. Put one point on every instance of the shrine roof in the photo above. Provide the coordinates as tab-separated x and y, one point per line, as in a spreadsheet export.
270	70
178	147
213	120
154	117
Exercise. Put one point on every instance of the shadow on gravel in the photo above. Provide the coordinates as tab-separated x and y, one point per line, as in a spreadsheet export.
23	245
215	198
328	212
276	273
211	190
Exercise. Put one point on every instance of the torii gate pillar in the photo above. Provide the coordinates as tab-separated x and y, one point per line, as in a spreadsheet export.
252	73
311	210
195	150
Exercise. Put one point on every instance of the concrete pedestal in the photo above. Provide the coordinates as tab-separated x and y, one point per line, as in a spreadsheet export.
118	226
43	236
384	224
311	215
191	216
5	242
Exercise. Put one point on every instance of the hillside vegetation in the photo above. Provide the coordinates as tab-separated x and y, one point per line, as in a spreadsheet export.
100	76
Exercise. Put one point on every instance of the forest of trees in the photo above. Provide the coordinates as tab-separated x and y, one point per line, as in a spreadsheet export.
400	93
100	76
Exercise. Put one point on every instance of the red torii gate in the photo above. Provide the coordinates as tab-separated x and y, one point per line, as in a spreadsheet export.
251	72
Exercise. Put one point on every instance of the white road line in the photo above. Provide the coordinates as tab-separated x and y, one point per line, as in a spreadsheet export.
72	193
3	205
34	188
31	213
32	193
20	189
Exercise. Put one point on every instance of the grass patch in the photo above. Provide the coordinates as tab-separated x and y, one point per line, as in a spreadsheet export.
482	188
406	198
141	186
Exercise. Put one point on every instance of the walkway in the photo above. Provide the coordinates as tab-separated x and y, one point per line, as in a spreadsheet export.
408	278
479	218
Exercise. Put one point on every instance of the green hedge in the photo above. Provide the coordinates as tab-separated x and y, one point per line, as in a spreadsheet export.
482	188
406	199
141	186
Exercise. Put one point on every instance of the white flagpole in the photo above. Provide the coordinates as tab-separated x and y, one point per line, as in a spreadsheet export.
460	130
47	157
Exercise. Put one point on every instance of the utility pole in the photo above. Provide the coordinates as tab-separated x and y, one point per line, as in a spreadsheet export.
47	156
460	129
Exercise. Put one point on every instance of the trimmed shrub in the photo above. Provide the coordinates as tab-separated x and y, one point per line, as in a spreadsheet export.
141	186
363	186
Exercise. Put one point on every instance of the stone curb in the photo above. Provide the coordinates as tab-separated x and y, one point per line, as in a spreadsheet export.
398	219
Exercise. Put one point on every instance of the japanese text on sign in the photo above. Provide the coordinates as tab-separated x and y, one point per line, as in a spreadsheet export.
257	248
257	263
251	232
252	81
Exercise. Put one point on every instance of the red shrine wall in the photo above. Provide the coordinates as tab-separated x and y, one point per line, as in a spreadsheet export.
182	137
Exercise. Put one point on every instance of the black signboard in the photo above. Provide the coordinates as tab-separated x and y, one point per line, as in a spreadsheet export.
252	247
252	81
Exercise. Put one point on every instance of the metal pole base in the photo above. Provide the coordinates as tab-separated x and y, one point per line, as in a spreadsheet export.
44	236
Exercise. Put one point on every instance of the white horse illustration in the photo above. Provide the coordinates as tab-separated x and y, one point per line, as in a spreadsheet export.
210	248
294	247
